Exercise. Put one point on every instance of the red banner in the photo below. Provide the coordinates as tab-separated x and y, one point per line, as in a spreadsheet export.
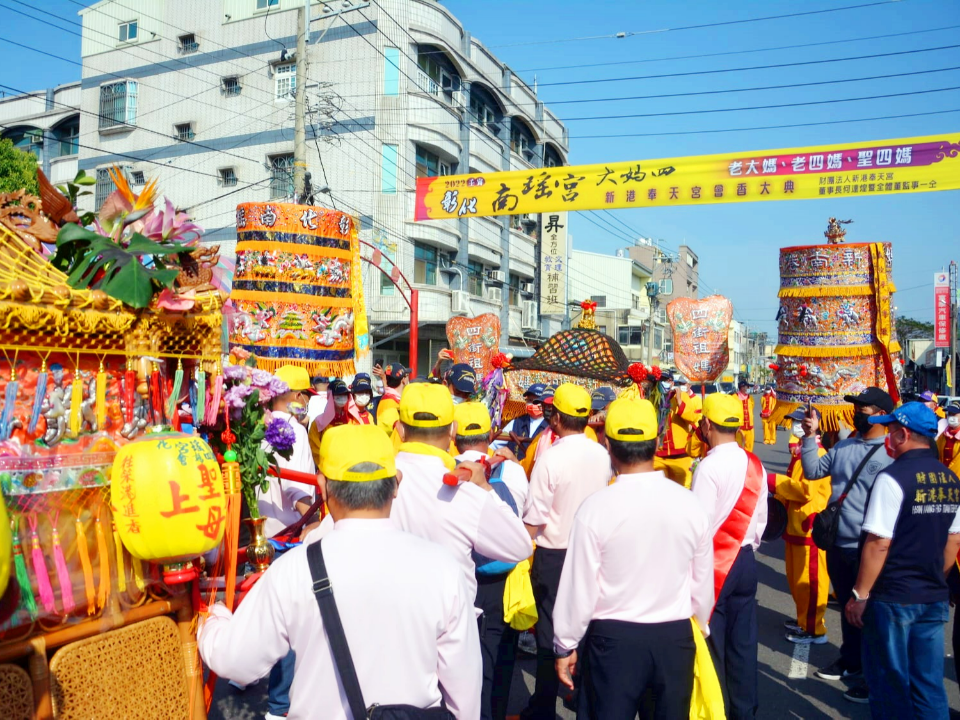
941	299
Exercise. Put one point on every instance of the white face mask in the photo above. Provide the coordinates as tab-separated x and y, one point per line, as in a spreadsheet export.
953	421
798	430
363	399
667	387
340	400
457	400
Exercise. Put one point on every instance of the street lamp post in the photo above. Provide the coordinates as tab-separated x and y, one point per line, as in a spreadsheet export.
652	290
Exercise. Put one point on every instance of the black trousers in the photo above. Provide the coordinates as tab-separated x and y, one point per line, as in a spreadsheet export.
498	648
843	564
733	637
623	661
545	578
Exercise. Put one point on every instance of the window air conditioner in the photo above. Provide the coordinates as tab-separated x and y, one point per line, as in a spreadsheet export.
526	287
460	303
496	276
495	294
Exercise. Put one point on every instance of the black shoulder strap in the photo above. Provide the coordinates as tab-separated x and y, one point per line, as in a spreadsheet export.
323	591
856	474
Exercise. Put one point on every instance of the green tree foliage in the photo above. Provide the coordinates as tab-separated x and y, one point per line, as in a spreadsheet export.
910	329
18	169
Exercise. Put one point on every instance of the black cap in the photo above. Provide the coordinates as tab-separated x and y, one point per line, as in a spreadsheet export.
952	409
395	371
463	378
872	396
361	383
339	387
744	383
666	375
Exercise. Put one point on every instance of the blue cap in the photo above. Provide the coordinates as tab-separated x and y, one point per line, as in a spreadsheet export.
463	378
536	390
338	387
952	409
913	416
361	383
601	397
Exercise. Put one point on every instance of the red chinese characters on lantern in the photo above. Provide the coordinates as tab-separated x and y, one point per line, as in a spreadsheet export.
178	502
215	518
700	333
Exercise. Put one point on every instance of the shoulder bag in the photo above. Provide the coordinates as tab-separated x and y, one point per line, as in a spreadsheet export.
827	522
323	591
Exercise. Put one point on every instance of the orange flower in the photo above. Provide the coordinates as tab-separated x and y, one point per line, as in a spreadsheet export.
137	202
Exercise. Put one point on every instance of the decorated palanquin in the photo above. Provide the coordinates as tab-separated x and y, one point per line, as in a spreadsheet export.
298	288
95	617
836	331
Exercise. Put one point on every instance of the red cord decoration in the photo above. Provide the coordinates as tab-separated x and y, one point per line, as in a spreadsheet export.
656	373
637	372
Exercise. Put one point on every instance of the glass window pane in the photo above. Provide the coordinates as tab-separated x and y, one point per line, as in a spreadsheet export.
391	71
388	169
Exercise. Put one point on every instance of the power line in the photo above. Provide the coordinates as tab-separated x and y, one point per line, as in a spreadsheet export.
621	35
737	52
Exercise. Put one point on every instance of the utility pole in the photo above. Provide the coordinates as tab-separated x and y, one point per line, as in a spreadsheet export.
300	108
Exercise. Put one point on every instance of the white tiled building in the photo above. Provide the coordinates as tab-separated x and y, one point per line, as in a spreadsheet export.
47	124
201	94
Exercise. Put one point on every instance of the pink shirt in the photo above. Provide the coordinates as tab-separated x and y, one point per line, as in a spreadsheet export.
717	484
461	518
406	613
640	551
571	470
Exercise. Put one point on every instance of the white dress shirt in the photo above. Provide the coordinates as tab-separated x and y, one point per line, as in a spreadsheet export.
718	483
405	612
513	476
461	518
572	469
640	551
279	503
316	405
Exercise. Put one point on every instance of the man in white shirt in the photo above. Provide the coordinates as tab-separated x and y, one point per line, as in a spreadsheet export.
498	641
404	606
464	516
730	485
639	565
317	402
527	426
571	470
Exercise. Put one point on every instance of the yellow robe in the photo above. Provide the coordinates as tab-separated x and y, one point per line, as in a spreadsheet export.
948	447
767	404
388	414
806	563
672	455
746	430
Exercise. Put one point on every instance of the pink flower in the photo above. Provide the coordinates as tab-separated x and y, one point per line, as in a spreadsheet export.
167	223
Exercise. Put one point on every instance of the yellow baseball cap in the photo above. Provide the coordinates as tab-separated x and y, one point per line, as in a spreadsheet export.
296	377
346	446
572	400
723	409
472	418
427	398
631	420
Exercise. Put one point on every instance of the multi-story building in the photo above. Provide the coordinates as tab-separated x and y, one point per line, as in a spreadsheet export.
201	94
47	124
618	285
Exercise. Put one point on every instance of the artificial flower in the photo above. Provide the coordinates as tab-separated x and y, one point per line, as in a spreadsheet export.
171	225
280	435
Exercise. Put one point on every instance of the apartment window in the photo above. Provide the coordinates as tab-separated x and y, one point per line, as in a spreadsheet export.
137	177
27	139
185	132
635	299
551	158
281	176
388	170
602	328
666	286
67	135
475	273
391	71
630	335
600	300
429	164
661	315
103	188
386	284
658	338
424	264
118	104
521	141
228	177
128	31
514	286
285	79
481	110
230	86
188	43
436	77
264	4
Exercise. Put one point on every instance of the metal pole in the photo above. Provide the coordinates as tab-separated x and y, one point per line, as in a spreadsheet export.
414	331
299	127
653	308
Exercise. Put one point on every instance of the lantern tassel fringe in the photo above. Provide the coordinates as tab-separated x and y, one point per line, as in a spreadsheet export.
27	601
121	570
832	417
84	553
63	573
104	561
44	588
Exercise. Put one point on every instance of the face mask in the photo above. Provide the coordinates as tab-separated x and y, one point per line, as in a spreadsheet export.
667	387
798	430
298	410
362	400
340	400
535	411
953	421
888	446
457	399
861	422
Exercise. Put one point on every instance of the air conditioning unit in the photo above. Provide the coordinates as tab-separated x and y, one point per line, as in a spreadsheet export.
526	287
528	315
495	294
528	219
460	303
496	276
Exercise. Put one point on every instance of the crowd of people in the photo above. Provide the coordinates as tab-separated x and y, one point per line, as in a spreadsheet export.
642	519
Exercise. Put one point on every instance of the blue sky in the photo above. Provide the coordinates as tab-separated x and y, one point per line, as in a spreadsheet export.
738	244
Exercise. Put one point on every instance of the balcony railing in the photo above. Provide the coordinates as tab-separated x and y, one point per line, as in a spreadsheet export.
432	87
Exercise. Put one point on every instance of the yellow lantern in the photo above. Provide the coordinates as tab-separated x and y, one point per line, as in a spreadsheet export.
168	501
6	541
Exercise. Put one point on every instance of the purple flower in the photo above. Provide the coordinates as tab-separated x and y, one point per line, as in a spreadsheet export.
261	378
235	372
280	435
236	396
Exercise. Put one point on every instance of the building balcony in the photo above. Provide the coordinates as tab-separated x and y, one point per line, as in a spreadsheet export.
448	96
487	151
63	169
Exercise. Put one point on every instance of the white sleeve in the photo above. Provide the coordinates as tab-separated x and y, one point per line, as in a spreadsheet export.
497	444
459	662
579	587
886	498
955	525
516	481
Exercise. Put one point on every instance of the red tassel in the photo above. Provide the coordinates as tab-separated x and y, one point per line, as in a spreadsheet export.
156	396
129	388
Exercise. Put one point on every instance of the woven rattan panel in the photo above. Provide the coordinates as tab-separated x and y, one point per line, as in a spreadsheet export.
16	693
136	673
587	353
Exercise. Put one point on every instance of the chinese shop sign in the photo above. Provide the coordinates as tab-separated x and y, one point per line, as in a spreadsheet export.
553	264
941	298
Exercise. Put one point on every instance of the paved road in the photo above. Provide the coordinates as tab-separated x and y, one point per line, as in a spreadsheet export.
788	688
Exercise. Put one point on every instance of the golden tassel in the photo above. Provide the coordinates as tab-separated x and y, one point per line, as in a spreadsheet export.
101	398
76	400
825	291
121	571
827	351
137	573
84	554
104	557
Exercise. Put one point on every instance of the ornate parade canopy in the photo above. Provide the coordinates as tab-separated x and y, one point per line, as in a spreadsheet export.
584	353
